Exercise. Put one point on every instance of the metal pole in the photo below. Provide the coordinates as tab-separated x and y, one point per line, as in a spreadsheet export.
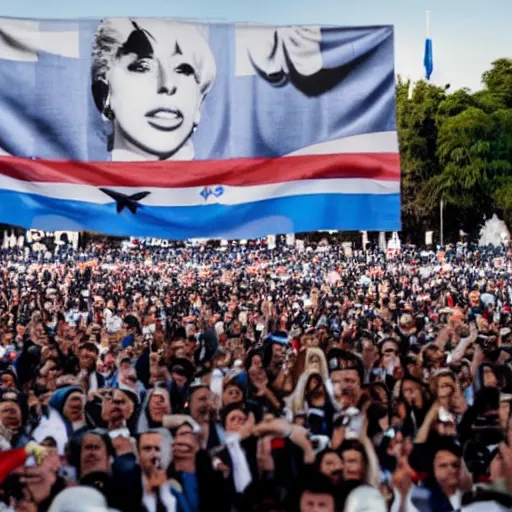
441	212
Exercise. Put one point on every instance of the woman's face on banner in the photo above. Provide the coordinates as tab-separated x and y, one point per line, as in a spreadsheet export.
155	93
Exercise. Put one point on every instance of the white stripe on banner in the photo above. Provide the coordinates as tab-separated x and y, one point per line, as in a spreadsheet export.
380	142
22	40
200	196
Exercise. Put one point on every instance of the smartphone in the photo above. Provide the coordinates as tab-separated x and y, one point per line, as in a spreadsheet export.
378	374
68	473
319	443
445	416
390	433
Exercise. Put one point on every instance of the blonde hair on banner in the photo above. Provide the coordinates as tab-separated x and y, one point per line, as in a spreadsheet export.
112	33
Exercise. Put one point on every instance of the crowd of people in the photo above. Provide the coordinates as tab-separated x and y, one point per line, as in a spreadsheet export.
241	379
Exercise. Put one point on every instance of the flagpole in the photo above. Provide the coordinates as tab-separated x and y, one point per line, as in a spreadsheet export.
441	219
428	57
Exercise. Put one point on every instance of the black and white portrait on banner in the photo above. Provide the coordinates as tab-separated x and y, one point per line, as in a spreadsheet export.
149	80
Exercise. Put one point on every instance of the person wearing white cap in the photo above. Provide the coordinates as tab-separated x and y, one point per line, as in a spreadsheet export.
365	499
485	506
80	499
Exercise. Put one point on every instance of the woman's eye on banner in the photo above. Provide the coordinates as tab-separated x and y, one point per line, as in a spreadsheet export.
279	54
149	78
140	66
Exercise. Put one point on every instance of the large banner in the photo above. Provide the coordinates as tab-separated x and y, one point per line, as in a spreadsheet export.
154	127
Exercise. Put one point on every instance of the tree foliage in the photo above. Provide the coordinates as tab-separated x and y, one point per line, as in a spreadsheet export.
455	147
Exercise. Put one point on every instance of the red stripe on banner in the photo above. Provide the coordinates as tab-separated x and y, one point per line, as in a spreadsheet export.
175	174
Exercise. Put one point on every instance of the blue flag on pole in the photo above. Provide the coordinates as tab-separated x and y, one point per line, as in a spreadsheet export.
429	60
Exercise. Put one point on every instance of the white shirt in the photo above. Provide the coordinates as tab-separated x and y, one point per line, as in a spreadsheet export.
149	499
73	317
93	382
113	323
455	500
242	476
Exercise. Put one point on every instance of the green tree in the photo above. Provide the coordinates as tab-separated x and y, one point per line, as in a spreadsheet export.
454	104
467	153
417	132
456	147
498	80
475	153
497	96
